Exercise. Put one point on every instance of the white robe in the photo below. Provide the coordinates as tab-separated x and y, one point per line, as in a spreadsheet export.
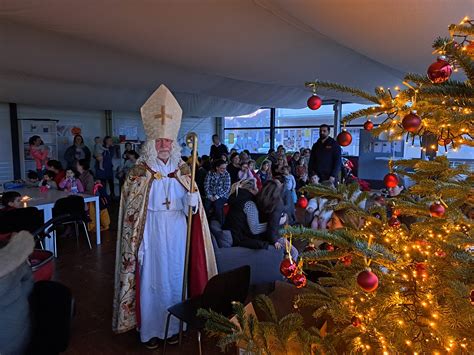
161	254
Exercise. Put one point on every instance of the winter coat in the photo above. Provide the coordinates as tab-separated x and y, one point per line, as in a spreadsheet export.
16	284
108	169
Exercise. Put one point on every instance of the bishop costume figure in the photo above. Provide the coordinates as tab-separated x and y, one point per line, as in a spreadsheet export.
151	240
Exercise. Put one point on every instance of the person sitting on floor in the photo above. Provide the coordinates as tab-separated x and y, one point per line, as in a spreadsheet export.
234	167
244	173
217	188
11	200
258	181
48	180
265	172
317	213
71	184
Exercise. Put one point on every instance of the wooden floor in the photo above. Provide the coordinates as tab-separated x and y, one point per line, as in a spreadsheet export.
90	275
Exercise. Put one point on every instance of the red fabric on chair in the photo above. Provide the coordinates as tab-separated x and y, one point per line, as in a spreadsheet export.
42	265
197	260
226	209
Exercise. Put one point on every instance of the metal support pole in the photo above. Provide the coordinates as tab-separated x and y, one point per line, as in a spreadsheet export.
108	122
220	127
15	135
337	118
272	127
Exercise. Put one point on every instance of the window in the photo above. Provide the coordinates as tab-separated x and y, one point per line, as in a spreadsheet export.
294	128
257	119
297	128
255	140
304	117
251	132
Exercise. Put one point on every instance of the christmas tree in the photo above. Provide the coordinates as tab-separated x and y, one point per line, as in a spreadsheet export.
396	282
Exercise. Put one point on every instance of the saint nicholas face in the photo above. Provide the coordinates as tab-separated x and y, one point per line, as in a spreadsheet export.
163	148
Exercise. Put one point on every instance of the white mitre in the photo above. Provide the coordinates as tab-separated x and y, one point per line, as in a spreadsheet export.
161	115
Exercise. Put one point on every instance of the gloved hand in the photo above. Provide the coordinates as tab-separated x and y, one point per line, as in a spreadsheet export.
192	199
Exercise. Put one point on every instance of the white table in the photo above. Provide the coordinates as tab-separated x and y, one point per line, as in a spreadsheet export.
45	201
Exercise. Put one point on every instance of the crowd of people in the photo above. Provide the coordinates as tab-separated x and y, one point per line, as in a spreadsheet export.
254	203
77	176
234	188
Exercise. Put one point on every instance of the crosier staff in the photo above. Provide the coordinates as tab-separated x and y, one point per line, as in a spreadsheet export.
191	142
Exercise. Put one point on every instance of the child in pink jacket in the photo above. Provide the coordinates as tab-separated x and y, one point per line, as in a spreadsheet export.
39	153
71	184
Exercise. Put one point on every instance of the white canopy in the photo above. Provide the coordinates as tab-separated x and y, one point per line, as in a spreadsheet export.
220	57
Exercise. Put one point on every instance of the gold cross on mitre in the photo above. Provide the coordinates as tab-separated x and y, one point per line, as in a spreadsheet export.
161	115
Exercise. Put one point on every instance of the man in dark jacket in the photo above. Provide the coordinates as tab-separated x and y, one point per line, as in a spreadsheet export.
325	159
218	149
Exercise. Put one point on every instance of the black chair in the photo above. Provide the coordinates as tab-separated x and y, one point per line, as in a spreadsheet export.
19	219
52	307
218	295
71	210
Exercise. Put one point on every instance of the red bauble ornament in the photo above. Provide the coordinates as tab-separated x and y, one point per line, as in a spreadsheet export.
355	321
420	269
437	210
299	280
314	102
411	122
344	138
390	180
394	222
302	202
367	280
469	48
326	246
288	268
440	253
368	125
440	71
346	260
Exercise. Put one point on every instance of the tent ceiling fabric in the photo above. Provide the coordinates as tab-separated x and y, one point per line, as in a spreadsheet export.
219	57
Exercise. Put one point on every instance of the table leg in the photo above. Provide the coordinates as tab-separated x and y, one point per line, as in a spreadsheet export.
50	243
97	220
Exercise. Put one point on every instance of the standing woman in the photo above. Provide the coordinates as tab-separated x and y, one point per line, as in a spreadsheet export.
39	152
106	174
76	152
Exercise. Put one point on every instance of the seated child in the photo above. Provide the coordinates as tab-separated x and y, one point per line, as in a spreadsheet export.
11	200
48	180
32	178
70	183
319	215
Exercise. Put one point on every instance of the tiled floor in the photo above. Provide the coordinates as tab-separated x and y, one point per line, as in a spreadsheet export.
90	274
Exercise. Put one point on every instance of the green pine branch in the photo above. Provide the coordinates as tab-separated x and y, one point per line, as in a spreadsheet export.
343	88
